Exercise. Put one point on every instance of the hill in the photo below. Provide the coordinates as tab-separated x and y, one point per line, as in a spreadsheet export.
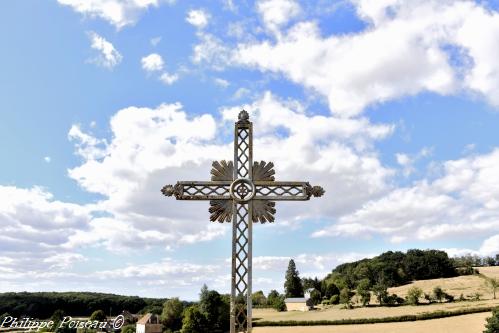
467	285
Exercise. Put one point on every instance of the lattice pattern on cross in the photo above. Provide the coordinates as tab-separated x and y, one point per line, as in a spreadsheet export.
242	192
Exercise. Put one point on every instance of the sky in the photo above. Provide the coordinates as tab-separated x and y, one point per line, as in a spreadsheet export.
392	106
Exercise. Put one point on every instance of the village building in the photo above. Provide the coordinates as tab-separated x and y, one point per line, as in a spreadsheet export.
299	303
149	323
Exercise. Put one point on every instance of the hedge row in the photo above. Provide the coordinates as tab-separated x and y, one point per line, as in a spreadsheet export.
356	321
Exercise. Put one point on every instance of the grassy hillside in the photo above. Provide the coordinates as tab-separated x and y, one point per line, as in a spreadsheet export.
468	285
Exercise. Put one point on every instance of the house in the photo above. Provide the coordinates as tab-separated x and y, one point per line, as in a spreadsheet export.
300	303
149	323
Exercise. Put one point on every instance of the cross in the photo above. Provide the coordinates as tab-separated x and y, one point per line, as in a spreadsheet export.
242	192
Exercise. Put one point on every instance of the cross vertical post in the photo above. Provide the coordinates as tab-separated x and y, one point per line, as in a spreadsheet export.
242	231
242	192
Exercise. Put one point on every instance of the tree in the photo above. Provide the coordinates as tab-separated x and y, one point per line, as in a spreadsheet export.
490	261
329	288
315	296
194	321
128	328
493	285
98	315
292	284
413	295
258	298
381	291
438	293
345	296
171	315
272	297
216	310
309	283
364	292
492	325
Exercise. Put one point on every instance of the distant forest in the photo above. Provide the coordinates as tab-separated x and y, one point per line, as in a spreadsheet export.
43	304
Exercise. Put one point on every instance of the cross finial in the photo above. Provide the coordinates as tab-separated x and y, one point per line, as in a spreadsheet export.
243	116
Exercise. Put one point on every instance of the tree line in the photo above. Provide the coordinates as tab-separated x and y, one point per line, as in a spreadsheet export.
42	305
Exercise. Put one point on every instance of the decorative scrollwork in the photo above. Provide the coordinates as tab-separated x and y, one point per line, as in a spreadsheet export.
315	191
220	210
175	190
222	170
263	171
263	211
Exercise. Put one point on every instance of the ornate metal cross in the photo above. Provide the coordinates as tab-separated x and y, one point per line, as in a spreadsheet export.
242	192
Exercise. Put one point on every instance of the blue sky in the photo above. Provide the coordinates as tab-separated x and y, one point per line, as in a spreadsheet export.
391	106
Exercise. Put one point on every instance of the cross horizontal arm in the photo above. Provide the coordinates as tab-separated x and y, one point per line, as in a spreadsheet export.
284	191
199	190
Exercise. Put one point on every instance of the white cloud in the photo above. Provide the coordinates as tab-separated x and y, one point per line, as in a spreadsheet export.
407	161
152	63
117	12
460	203
221	82
409	47
198	18
34	229
152	147
211	50
276	13
490	246
155	41
108	56
168	79
47	159
240	93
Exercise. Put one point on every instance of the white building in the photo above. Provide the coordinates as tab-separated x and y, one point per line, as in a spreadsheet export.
149	324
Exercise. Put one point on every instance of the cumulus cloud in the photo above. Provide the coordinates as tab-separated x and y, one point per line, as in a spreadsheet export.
153	147
462	202
107	56
198	18
117	12
408	47
34	229
168	78
153	62
276	13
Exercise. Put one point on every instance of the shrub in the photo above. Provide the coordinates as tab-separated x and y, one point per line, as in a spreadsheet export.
335	299
438	293
492	325
279	304
413	295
